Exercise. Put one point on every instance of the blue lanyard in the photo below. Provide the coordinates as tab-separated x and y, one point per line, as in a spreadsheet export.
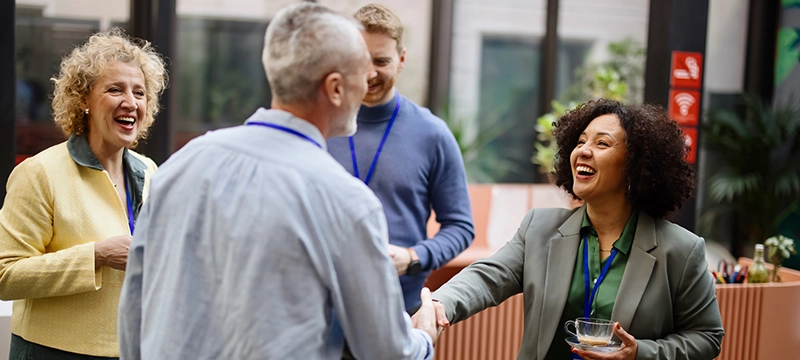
589	299
380	147
287	130
128	196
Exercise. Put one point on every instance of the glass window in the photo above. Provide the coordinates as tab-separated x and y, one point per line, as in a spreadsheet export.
220	80
40	44
613	35
509	102
44	34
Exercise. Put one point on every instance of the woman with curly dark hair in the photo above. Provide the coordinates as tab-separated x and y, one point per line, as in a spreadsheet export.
615	257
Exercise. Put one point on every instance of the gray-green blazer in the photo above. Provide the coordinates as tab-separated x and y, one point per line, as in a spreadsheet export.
666	300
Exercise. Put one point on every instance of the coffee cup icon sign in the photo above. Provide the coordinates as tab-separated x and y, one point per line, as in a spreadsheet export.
692	70
685	102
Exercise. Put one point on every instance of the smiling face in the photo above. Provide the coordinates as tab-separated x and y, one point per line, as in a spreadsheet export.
116	103
388	63
598	161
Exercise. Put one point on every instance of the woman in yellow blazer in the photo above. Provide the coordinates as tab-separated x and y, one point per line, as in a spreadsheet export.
69	212
613	258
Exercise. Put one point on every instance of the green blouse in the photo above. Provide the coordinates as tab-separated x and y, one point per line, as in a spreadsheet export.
603	303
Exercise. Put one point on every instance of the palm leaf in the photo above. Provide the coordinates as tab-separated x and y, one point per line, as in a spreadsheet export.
727	185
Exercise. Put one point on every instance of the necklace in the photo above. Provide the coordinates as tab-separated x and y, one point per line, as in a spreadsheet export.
604	250
116	181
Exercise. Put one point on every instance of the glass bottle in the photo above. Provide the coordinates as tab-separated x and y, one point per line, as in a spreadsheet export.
757	273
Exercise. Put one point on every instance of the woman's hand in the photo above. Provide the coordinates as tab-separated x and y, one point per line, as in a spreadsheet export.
425	318
112	252
628	351
441	315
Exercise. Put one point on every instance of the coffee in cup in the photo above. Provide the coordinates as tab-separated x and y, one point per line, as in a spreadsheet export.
591	331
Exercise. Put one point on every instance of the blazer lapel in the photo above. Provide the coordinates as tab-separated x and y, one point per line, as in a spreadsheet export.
560	265
637	271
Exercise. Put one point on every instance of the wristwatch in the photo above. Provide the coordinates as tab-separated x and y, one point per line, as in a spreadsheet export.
414	267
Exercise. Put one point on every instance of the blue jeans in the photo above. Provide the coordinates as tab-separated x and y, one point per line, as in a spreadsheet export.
22	349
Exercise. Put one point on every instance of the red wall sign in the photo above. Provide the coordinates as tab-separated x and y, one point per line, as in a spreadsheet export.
686	70
684	106
690	136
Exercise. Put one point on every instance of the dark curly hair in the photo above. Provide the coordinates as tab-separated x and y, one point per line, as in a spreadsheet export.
660	178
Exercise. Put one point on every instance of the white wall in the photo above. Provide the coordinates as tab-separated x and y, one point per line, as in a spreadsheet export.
602	22
104	11
472	19
726	42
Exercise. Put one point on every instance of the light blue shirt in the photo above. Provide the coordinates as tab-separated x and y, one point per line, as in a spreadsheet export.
256	244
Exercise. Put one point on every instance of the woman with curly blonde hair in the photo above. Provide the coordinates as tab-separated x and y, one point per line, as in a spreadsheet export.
70	212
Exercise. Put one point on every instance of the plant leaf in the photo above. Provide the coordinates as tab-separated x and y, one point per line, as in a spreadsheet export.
726	185
787	54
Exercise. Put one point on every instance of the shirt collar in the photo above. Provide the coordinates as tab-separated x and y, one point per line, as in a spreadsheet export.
287	119
623	244
378	113
82	154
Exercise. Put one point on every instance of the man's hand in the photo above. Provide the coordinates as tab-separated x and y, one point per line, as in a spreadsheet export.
628	351
401	258
425	318
112	252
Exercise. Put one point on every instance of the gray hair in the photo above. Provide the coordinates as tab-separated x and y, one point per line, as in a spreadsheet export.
304	43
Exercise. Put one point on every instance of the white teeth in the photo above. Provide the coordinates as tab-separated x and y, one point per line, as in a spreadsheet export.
125	119
585	169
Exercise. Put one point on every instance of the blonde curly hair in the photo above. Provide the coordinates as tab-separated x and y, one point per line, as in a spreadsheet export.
81	68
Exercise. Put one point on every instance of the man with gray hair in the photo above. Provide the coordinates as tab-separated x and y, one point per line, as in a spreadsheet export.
255	243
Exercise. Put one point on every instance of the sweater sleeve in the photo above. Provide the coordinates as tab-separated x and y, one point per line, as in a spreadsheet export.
27	270
450	201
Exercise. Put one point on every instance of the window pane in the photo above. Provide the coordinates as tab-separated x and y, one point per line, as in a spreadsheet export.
494	85
41	41
607	40
220	80
509	103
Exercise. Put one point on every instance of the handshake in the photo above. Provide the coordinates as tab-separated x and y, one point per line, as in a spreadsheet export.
431	316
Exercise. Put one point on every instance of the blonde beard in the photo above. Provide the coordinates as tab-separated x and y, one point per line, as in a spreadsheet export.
382	97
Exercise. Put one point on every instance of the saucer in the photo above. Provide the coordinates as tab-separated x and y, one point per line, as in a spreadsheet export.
608	348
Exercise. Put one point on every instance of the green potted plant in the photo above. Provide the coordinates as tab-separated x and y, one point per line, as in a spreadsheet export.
607	84
756	176
618	78
481	164
780	248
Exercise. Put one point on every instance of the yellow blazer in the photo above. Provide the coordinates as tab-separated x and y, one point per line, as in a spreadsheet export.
58	204
666	299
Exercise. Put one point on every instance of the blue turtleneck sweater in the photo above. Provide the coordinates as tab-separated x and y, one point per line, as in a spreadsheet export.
419	169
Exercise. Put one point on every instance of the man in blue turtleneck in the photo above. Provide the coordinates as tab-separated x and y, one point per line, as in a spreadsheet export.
410	159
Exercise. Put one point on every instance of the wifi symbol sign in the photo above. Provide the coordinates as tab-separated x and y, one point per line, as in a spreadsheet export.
684	106
685	102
